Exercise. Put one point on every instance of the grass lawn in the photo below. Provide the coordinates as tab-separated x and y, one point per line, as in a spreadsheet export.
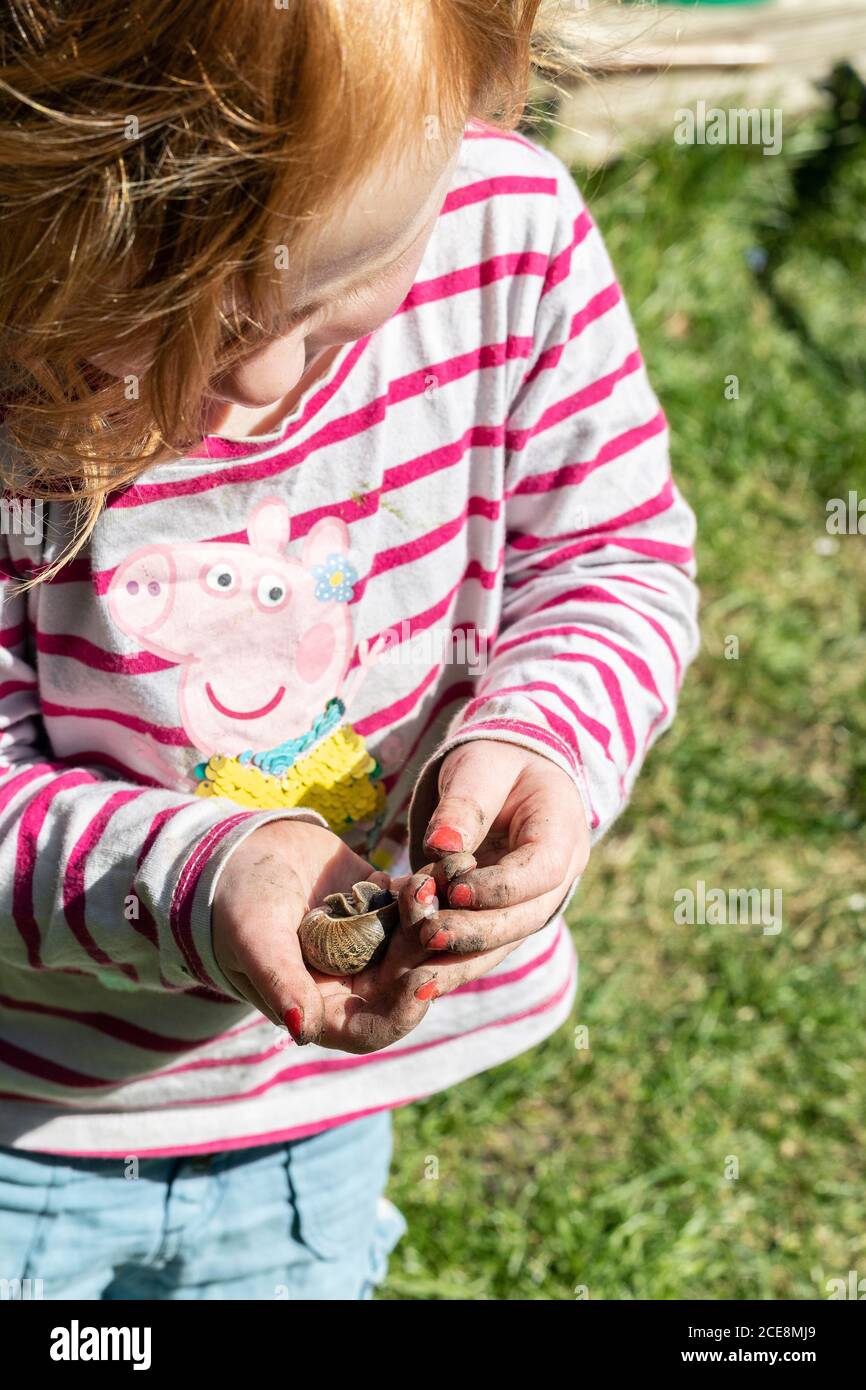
606	1166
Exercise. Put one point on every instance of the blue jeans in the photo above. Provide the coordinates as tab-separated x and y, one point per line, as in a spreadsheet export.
301	1220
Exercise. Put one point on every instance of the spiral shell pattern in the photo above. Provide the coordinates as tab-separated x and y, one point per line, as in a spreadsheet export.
349	930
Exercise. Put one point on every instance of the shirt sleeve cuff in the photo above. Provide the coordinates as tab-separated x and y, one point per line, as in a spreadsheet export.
504	730
192	900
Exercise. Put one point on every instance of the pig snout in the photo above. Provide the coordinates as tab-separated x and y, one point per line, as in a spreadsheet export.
142	592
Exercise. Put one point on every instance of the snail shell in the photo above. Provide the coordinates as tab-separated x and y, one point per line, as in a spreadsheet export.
349	930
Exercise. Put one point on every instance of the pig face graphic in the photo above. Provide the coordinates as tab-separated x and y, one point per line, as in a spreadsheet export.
263	639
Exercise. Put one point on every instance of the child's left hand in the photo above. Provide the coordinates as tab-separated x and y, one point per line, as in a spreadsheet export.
522	818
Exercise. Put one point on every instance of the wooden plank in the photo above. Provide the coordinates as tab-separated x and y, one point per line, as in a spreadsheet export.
648	61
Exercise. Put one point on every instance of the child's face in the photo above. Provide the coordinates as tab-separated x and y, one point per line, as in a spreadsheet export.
378	236
378	239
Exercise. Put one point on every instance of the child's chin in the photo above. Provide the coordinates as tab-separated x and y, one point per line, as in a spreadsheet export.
253	400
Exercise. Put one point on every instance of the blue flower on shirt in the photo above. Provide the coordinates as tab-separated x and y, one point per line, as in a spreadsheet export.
334	580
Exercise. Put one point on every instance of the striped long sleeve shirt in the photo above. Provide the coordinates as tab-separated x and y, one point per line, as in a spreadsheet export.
467	528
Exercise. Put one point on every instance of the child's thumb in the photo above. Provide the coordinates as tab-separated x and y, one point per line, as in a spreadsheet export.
256	947
473	787
275	979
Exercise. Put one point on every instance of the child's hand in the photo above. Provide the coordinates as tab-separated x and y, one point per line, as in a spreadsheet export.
522	818
268	884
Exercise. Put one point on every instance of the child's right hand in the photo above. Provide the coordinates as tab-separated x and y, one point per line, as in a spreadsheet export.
271	880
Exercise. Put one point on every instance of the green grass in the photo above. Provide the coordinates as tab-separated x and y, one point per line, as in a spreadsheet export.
606	1167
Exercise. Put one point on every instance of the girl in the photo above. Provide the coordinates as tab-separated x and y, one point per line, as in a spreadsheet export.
354	544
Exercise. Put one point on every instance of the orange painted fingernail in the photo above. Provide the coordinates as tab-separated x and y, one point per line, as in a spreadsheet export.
428	991
426	891
439	941
294	1021
460	895
447	839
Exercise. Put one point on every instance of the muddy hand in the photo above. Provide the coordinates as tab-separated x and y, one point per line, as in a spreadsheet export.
522	819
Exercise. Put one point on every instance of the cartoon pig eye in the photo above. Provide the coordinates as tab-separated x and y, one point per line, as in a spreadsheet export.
272	591
221	579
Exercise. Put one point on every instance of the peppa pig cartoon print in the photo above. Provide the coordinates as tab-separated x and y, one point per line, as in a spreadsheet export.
263	638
